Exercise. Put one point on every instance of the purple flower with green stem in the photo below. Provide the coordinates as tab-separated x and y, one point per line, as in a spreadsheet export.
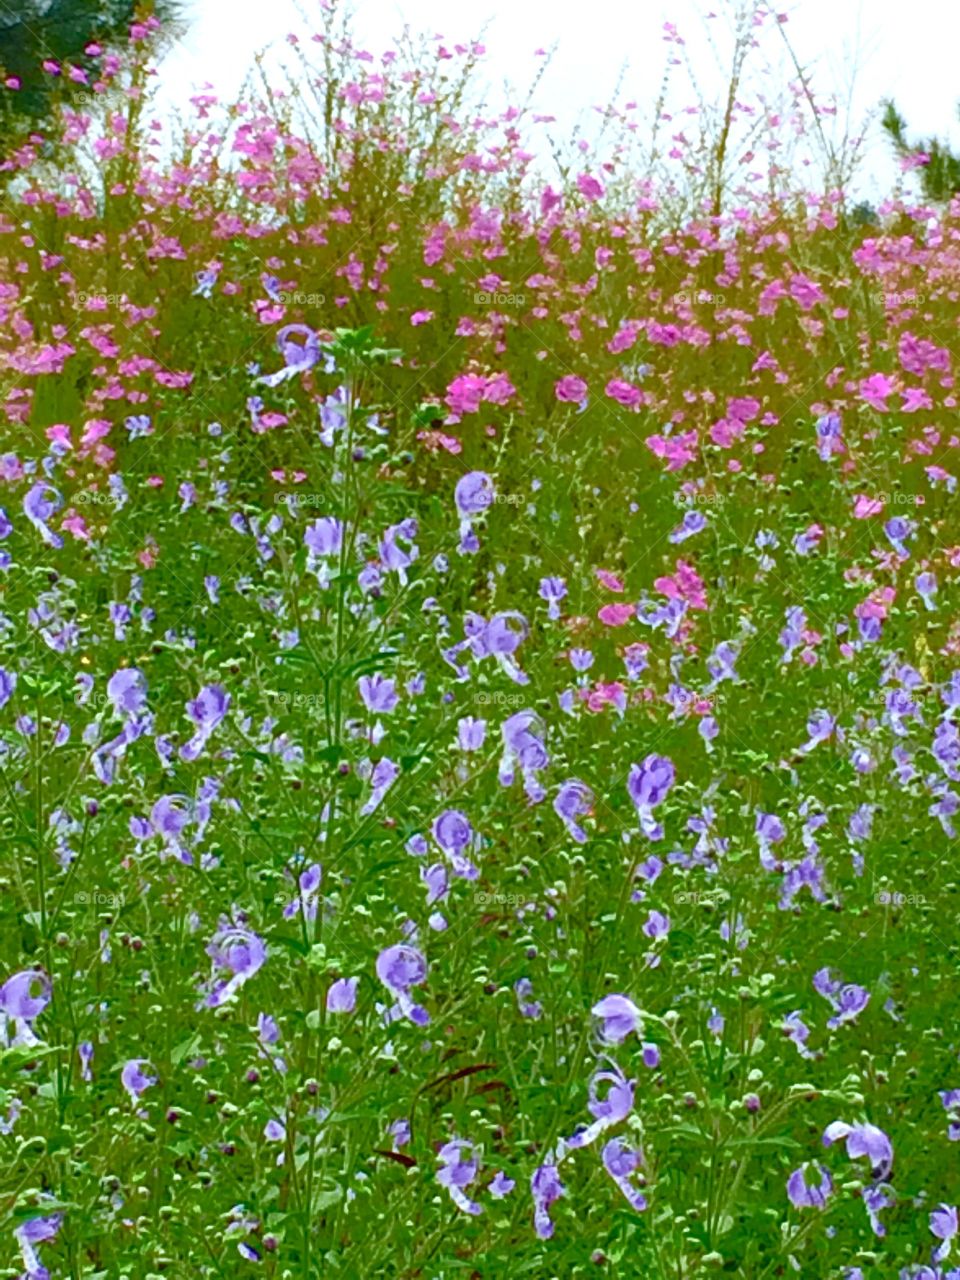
135	1079
943	1224
619	1017
207	711
621	1163
298	357
459	1167
40	504
546	1188
237	954
473	494
31	1233
810	1186
573	800
378	694
552	590
648	784
863	1139
23	997
610	1109
342	995
400	968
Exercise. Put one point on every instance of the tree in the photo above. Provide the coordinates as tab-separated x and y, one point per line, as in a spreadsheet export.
939	168
43	52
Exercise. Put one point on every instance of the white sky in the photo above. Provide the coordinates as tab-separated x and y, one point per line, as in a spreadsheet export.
876	48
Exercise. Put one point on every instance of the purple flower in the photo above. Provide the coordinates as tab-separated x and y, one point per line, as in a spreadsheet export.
379	694
523	736
85	1053
236	952
607	1111
40	505
943	1224
829	436
435	879
342	995
950	1098
926	584
305	902
876	1199
31	1233
850	1002
382	777
573	800
454	834
863	1140
474	493
648	784
471	733
127	691
656	925
206	711
820	727
394	557
546	1187
693	522
25	995
529	1008
323	540
621	1162
553	590
134	1079
459	1168
501	1185
620	1017
8	682
275	1131
798	1031
399	968
298	357
804	1194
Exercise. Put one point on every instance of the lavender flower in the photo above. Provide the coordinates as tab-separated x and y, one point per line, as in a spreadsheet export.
648	784
400	968
459	1168
806	1194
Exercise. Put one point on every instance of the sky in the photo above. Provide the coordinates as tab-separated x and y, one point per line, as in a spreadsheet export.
859	50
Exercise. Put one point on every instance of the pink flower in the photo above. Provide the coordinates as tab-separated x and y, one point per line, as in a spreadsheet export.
864	507
915	398
571	389
589	186
615	615
875	390
610	580
421	317
624	393
676	450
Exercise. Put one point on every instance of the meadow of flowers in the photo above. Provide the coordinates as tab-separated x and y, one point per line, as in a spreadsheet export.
479	711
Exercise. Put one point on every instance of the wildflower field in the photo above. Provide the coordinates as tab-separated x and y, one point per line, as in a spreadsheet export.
478	696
